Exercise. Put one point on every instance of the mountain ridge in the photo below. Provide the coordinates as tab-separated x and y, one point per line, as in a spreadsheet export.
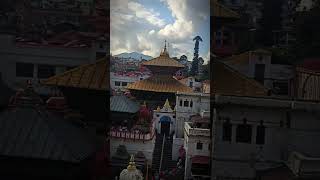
134	55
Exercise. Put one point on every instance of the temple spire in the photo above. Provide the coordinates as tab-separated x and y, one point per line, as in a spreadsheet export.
132	164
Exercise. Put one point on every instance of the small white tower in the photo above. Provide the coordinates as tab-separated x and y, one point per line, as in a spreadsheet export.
131	173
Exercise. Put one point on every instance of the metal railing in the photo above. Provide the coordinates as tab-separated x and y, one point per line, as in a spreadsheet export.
161	157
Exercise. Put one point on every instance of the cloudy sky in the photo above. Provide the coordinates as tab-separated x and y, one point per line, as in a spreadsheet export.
143	25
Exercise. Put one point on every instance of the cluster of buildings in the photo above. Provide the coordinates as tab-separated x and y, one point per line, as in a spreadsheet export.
164	122
28	54
264	115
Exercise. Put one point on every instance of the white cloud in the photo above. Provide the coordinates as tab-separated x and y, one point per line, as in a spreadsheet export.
149	15
188	14
152	32
178	30
137	29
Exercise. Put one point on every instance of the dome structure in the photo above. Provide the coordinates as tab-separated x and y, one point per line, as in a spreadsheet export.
131	173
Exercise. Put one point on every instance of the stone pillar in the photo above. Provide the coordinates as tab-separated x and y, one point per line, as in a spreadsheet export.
254	134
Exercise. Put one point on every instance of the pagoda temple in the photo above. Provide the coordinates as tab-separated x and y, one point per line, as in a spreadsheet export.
161	85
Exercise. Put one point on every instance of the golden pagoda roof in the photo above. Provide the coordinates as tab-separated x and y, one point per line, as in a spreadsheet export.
160	84
223	12
90	76
163	60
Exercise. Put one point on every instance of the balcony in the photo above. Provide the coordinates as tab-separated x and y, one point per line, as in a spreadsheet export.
191	130
132	135
303	166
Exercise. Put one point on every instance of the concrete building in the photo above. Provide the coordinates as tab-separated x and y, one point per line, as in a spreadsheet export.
192	82
197	145
120	81
259	134
257	65
22	61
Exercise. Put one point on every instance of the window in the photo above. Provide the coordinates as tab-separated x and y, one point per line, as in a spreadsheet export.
117	83
157	115
174	116
199	145
227	131
260	133
101	45
191	104
186	103
124	83
180	102
24	70
191	84
46	71
141	79
244	132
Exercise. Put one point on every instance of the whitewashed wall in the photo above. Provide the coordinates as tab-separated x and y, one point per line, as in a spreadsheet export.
279	141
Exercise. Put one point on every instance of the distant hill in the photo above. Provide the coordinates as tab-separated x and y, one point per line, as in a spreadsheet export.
134	55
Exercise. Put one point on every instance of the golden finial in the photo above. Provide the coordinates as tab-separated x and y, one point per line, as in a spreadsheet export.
158	109
167	105
132	164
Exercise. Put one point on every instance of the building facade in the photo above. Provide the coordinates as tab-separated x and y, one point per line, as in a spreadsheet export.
254	134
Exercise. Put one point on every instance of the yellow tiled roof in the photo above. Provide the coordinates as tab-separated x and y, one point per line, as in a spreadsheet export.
221	11
163	60
227	81
90	76
160	84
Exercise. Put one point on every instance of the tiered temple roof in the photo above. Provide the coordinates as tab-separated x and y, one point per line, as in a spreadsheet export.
162	81
91	76
160	84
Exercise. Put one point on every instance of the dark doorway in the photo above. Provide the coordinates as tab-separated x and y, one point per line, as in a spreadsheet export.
165	128
259	73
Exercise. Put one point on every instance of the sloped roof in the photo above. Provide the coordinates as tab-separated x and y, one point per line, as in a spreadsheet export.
160	84
91	76
163	60
33	132
227	81
123	104
243	58
221	11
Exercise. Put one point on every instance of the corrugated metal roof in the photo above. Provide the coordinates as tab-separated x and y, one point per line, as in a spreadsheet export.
91	76
36	133
123	104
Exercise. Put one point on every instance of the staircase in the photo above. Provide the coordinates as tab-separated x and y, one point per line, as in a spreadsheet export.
157	153
167	163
